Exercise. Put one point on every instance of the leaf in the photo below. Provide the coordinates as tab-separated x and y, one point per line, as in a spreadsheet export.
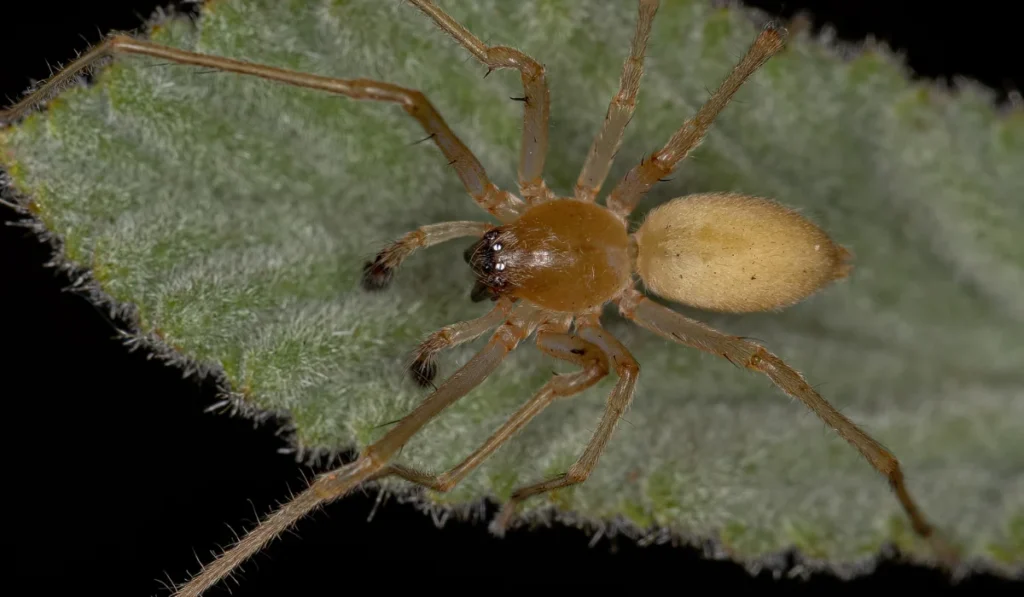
230	217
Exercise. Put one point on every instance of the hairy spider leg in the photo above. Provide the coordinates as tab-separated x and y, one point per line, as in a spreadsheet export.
620	110
375	457
552	339
501	204
676	327
423	364
635	184
536	98
628	370
377	274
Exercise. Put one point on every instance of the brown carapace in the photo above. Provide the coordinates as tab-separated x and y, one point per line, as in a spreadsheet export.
564	256
552	263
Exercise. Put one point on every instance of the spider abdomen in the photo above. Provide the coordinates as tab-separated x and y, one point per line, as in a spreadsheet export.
735	253
563	255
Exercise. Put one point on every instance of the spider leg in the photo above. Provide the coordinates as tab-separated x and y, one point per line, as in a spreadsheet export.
377	274
635	184
499	203
423	365
553	340
675	326
620	110
333	485
618	401
536	98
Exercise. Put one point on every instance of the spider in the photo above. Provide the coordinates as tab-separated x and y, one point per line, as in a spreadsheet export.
553	263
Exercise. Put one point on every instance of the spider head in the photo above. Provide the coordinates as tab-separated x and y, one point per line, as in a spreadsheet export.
486	259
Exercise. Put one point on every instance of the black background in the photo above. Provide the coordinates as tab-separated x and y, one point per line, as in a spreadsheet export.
117	480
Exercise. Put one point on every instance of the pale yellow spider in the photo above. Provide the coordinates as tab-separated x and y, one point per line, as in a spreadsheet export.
554	262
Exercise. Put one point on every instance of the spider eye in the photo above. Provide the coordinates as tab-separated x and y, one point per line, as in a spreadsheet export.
482	258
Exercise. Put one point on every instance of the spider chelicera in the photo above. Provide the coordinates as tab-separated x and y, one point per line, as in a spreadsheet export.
553	262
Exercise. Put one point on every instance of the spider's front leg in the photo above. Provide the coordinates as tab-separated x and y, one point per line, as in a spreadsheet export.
501	204
620	110
679	328
635	184
536	97
618	401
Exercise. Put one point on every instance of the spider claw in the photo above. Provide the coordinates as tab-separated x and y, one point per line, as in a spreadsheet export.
376	275
423	372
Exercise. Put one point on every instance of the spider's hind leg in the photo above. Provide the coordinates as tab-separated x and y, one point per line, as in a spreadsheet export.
676	327
553	339
618	401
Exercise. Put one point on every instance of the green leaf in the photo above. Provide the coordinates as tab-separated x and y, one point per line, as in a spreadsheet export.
230	217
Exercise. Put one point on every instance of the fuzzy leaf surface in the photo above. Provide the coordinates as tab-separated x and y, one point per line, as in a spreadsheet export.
232	217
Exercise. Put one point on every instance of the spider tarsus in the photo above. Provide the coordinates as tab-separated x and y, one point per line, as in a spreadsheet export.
423	372
376	275
523	99
777	26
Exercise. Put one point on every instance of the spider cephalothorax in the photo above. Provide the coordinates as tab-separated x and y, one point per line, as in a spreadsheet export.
553	262
563	255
